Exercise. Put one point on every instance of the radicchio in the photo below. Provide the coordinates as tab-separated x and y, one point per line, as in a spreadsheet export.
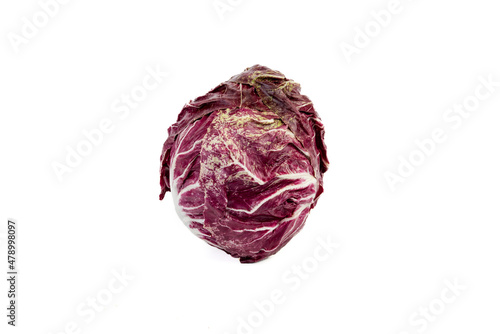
245	163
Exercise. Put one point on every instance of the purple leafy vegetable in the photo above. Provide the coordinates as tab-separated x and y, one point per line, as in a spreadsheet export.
245	163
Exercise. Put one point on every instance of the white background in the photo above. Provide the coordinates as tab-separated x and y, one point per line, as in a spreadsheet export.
397	248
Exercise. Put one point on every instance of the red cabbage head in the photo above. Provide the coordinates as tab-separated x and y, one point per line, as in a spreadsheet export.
245	163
